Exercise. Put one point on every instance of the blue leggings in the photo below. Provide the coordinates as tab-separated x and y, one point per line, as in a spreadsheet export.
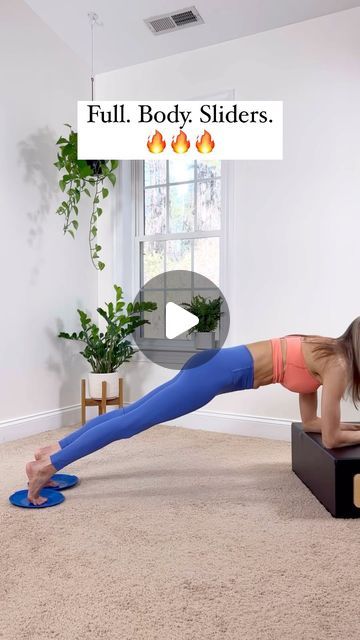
199	381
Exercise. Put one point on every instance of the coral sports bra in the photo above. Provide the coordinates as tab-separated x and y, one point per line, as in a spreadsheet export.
295	376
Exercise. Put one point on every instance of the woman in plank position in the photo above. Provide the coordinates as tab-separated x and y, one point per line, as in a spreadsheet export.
301	363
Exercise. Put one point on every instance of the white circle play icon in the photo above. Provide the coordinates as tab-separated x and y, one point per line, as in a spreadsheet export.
178	320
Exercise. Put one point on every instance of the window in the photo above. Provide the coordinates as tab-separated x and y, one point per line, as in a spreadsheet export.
178	222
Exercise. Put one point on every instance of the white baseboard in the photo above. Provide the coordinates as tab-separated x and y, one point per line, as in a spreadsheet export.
235	423
24	426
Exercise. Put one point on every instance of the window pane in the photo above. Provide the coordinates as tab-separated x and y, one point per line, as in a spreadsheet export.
176	279
180	196
154	172
208	169
178	255
153	260
206	258
178	297
155	210
181	170
156	318
208	205
181	208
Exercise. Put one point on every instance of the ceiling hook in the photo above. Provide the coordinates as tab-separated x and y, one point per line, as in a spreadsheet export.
94	19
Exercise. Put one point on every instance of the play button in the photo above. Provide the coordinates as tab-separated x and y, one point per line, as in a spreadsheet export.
178	320
190	323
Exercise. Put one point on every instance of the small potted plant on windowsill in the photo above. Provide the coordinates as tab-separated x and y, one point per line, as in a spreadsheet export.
209	313
106	351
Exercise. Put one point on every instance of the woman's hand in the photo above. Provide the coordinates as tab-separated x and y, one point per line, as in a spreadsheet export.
349	426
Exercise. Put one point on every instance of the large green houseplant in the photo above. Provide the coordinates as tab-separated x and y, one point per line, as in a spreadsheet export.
106	350
79	177
209	312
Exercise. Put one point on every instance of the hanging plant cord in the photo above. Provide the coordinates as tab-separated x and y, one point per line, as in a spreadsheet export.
94	20
83	176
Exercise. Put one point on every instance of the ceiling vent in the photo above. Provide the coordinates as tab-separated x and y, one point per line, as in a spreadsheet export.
174	21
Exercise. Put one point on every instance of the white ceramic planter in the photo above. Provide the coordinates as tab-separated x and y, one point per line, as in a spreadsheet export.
204	339
112	384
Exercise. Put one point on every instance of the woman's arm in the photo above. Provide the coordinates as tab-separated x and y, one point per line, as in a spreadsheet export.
311	422
335	433
308	403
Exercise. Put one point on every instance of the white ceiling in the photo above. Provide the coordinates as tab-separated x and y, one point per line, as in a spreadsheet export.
124	39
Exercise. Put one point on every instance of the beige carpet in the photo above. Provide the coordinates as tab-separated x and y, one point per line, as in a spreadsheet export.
177	535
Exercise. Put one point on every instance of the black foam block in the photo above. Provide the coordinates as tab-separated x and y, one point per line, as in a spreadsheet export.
332	475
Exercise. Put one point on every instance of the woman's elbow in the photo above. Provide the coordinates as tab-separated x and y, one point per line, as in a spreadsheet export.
331	442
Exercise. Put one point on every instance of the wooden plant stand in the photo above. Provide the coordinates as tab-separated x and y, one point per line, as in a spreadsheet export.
102	402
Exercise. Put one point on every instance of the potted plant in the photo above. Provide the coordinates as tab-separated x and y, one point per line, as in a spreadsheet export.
106	351
209	312
89	177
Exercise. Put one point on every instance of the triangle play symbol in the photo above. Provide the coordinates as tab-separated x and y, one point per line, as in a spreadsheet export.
178	320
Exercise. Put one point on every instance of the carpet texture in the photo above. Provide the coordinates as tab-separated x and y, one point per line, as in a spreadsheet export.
176	534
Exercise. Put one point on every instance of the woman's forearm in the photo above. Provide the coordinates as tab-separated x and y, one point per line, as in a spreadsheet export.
349	426
315	426
347	437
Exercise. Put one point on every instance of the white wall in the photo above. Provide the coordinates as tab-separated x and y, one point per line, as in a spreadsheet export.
45	275
295	243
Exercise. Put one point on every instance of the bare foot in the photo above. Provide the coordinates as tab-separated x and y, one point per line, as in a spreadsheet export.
39	473
45	452
51	483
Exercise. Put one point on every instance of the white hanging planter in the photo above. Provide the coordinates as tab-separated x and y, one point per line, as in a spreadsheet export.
204	339
112	385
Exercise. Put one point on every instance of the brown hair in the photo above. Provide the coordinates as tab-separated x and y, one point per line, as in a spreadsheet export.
347	345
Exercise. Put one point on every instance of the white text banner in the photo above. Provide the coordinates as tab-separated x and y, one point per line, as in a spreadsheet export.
143	130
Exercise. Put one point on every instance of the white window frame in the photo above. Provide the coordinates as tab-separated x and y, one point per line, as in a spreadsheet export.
140	237
129	223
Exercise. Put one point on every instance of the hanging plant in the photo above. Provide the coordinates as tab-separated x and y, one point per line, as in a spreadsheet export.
89	177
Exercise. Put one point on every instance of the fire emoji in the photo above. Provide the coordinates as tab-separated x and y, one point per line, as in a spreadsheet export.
205	144
181	144
157	144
